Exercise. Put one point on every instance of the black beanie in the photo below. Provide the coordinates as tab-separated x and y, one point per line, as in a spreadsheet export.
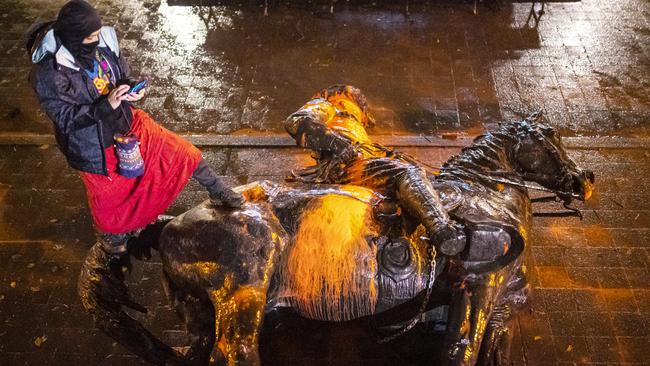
77	20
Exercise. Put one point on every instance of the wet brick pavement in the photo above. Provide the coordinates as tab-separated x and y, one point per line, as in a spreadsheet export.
230	70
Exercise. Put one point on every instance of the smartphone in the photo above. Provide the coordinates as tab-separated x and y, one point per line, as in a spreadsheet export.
138	86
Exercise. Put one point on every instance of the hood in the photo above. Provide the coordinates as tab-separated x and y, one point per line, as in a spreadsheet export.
50	45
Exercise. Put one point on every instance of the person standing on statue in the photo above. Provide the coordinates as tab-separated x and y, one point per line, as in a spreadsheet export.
132	168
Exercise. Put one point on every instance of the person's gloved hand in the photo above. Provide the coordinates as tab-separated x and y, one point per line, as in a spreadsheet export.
228	198
341	148
450	239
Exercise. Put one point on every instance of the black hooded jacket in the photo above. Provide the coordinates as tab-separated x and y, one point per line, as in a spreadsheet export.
82	117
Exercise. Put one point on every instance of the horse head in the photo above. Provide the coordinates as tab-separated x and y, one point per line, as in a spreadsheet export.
539	156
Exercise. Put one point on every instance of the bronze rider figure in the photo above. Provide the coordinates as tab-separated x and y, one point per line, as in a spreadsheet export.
332	124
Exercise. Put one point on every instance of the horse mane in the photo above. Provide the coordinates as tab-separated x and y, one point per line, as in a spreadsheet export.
489	151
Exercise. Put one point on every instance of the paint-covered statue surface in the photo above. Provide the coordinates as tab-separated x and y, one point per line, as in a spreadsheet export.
342	252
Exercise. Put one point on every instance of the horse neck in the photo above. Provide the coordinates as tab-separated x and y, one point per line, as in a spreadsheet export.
489	153
487	162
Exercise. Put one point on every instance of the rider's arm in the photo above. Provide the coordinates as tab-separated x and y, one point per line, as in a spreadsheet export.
308	126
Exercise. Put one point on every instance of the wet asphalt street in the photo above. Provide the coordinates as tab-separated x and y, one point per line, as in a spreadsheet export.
432	70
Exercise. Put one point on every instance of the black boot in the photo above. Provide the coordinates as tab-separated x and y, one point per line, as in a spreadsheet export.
418	196
218	191
220	194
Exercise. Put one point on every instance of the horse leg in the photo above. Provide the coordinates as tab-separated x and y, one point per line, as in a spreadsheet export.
456	338
238	317
470	310
198	314
103	293
229	255
495	349
503	346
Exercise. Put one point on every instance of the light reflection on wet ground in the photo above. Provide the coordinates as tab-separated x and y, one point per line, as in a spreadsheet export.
230	69
224	69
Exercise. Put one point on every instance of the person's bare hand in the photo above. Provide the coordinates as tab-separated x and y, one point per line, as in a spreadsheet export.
117	95
134	97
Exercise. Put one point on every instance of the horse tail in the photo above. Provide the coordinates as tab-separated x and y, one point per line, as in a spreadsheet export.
104	294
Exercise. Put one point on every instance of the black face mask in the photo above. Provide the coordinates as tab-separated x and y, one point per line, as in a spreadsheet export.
88	49
86	55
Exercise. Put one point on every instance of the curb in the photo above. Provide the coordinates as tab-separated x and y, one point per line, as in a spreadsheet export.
283	141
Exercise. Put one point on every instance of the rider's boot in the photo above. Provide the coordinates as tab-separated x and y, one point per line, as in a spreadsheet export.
419	197
219	192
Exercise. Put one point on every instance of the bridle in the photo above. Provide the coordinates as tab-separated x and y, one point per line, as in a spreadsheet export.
527	129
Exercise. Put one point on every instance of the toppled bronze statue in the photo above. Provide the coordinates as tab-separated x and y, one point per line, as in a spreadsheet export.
336	251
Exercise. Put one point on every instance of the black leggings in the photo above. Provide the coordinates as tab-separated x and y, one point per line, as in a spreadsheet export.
206	176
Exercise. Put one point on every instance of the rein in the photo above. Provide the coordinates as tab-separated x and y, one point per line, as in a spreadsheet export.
522	184
557	194
392	153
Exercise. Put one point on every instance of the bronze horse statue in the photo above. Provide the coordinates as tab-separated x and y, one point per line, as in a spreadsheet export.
336	253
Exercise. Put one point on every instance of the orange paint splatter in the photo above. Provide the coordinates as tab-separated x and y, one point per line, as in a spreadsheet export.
330	264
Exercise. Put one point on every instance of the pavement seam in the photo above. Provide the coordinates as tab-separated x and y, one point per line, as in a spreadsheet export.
280	140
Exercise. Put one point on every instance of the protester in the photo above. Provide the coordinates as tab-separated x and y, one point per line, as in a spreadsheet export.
132	168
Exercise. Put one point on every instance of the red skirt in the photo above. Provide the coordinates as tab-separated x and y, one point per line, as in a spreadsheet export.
119	204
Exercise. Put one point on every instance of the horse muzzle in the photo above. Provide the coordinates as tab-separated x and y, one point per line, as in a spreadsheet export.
582	184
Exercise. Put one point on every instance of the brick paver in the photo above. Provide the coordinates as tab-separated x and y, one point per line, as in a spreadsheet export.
439	69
